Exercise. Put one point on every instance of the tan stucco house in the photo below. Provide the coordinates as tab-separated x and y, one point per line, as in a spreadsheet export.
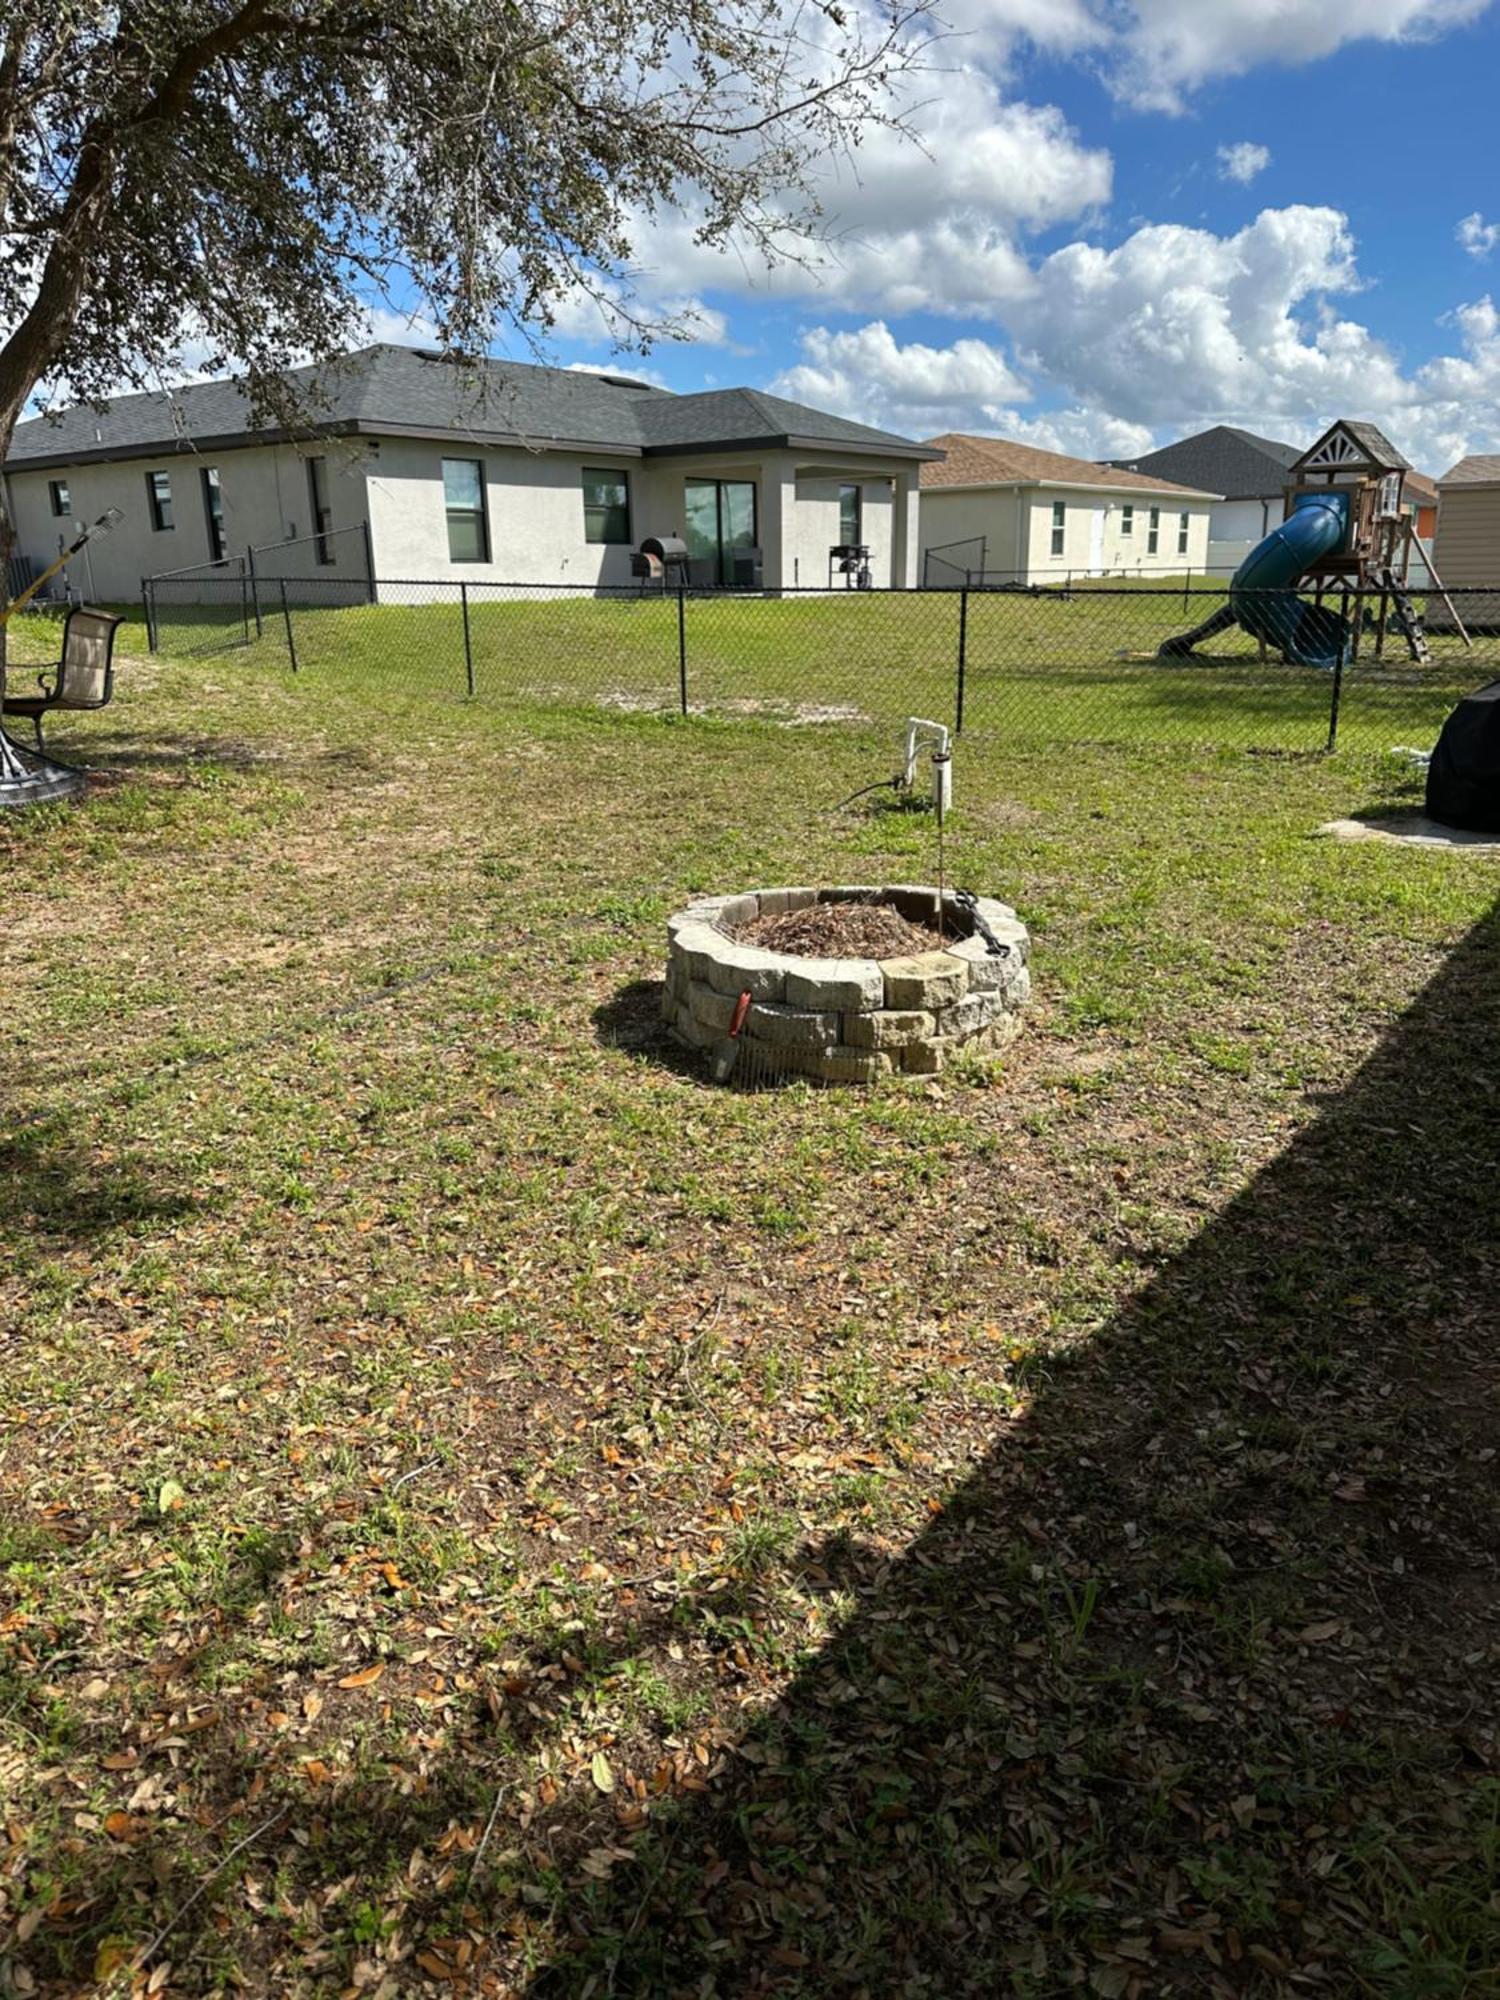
492	472
1016	513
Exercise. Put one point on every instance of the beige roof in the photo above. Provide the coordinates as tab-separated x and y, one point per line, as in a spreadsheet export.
1479	469
992	461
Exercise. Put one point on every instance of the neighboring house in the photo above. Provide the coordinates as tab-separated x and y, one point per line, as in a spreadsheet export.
479	472
1010	512
1421	496
1249	471
1467	548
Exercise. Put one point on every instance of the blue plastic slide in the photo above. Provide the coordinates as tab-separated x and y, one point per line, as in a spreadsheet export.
1262	595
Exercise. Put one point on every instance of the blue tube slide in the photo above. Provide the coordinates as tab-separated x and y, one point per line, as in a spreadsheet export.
1262	596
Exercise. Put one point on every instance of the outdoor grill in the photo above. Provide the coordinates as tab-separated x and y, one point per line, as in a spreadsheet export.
851	561
660	559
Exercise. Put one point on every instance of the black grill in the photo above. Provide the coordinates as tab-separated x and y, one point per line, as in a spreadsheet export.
660	559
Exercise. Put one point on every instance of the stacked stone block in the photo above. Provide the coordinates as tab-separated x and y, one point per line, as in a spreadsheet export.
847	1020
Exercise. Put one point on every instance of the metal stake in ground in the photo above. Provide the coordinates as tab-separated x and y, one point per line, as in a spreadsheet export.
941	759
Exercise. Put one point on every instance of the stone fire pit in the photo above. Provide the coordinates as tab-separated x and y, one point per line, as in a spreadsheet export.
848	1020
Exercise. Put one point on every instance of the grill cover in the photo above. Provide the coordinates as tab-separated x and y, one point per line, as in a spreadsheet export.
666	548
1463	779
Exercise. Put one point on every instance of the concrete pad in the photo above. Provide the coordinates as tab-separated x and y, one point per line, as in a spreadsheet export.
1412	830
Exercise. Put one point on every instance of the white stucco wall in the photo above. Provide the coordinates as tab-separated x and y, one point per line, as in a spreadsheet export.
535	507
1235	526
1088	549
1016	524
534	503
970	516
265	496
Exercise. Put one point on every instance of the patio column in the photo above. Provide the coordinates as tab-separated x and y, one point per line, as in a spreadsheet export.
904	538
776	526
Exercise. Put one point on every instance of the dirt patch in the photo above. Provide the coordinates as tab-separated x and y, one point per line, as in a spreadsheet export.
839	930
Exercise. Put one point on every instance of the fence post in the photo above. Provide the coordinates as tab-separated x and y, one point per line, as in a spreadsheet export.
148	604
1333	706
963	656
370	561
291	640
260	628
244	604
463	595
682	688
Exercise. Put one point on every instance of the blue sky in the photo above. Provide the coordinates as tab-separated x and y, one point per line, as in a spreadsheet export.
1079	263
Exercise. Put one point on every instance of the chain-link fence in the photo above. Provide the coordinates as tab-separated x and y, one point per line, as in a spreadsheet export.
211	605
1190	664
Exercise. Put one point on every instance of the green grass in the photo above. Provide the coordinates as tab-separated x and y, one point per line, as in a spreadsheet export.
1038	669
1024	1531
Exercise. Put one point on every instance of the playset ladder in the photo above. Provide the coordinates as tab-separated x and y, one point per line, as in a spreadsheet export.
1407	622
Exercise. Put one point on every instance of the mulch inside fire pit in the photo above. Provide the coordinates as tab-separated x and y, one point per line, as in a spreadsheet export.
840	930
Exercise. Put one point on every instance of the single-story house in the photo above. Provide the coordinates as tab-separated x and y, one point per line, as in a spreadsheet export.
1010	512
1249	471
1467	549
479	472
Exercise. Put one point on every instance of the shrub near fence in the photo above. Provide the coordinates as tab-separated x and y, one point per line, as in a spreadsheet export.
1035	666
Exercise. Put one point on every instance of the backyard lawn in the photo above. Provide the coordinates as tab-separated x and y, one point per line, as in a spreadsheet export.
483	1512
1038	669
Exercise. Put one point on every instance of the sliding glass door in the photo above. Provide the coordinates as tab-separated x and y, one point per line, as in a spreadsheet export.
720	530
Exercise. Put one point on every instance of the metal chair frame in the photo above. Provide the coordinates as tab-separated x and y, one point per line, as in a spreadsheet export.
61	685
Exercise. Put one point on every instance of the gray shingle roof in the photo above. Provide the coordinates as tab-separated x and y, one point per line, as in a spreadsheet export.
1371	440
1379	446
387	389
1478	469
1225	460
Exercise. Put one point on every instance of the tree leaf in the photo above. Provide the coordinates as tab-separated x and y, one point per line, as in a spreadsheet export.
600	1772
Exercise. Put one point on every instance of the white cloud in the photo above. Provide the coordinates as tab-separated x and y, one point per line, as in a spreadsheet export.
865	373
1478	236
394	327
610	310
1174	330
1164	49
937	227
1243	162
1175	318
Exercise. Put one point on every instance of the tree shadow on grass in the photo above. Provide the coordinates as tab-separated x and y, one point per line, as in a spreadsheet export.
631	1021
56	1192
1190	1689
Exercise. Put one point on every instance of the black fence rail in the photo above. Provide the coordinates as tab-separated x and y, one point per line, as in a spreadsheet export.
1093	662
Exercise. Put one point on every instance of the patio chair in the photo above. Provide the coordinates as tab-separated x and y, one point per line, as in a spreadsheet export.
83	678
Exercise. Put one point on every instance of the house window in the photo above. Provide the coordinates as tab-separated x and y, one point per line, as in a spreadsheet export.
1182	534
1059	526
849	516
606	506
1127	520
1153	531
159	497
322	513
57	493
213	512
463	497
